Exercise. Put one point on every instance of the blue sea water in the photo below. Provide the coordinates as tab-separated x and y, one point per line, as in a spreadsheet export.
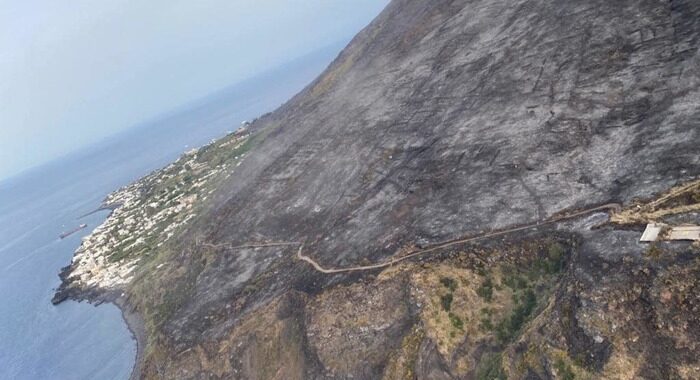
77	340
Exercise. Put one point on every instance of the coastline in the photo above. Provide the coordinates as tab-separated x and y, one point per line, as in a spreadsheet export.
96	296
133	320
136	326
95	275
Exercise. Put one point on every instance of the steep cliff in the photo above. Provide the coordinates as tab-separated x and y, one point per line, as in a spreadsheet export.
441	120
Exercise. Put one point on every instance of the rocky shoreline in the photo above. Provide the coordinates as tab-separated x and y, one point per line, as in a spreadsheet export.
95	296
136	326
143	216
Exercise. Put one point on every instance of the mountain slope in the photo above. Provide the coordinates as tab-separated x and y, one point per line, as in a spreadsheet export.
445	119
477	116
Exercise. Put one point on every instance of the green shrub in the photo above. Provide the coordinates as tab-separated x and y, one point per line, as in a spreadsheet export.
490	368
486	324
485	291
555	258
564	370
449	283
446	301
509	327
456	321
515	281
552	262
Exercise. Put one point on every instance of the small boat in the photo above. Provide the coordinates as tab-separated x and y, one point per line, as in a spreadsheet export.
71	232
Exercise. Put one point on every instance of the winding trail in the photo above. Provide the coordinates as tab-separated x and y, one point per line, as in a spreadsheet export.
606	207
252	245
615	207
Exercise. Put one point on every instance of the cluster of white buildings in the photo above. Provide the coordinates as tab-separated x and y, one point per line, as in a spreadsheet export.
147	214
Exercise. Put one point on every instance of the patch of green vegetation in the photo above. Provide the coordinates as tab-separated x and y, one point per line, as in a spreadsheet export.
485	324
411	346
456	321
162	293
554	261
449	283
214	155
122	250
123	253
510	326
485	291
446	301
117	255
555	256
564	370
514	280
490	367
479	269
566	316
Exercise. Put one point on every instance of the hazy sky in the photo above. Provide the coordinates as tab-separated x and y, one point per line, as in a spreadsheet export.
75	71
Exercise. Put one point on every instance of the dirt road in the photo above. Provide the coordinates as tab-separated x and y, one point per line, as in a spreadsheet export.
449	243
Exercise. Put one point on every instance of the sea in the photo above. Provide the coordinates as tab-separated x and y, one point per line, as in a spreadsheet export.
78	340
